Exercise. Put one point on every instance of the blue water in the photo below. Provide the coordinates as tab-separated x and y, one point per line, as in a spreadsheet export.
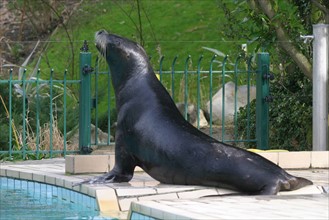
20	199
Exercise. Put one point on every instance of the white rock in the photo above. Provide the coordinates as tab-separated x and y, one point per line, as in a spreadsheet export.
242	100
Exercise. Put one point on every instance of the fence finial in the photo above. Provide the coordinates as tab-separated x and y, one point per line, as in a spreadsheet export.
85	46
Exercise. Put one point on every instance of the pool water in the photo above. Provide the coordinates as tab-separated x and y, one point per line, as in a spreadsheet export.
20	199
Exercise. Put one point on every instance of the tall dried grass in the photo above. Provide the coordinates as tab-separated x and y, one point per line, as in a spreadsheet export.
43	140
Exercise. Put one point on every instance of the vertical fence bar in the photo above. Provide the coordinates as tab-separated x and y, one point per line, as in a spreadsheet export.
10	114
24	114
37	141
51	82
173	78
262	106
236	70
64	112
109	105
85	100
198	92
160	68
95	100
320	86
186	86
248	96
223	97
210	93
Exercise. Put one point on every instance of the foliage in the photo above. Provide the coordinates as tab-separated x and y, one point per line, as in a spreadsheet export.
290	115
291	111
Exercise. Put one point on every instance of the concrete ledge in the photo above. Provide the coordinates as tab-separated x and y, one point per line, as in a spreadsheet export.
298	159
78	164
142	187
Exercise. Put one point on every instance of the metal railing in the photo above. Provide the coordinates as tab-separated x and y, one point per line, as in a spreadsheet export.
25	135
190	84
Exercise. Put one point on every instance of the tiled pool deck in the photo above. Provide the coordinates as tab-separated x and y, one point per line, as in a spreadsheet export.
147	196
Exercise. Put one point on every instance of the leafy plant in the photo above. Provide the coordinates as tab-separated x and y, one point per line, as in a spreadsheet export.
290	114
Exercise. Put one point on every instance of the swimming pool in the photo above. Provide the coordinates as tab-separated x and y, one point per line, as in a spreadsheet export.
21	199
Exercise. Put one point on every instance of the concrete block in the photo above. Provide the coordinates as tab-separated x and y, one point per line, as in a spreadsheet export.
77	164
320	159
3	172
39	177
111	161
13	173
50	180
25	176
271	156
59	182
107	200
125	203
295	160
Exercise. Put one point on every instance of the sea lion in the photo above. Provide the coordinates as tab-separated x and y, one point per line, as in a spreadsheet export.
152	134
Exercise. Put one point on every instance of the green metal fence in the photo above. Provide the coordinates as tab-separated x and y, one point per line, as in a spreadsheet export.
191	85
22	134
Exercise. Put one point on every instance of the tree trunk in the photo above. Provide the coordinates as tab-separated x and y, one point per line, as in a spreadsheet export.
285	43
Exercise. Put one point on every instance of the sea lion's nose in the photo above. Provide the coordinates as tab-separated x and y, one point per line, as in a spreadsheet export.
101	32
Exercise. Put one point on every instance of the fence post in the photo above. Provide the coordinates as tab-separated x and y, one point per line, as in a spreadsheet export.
262	100
85	100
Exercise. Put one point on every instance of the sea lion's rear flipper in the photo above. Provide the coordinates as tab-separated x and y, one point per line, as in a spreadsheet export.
298	182
270	189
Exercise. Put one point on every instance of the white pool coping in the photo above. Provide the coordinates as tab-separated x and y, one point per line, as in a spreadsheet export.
115	199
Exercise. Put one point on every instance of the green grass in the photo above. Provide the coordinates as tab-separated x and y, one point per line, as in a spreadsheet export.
170	28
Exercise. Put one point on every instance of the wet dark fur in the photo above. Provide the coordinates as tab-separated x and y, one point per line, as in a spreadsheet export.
152	134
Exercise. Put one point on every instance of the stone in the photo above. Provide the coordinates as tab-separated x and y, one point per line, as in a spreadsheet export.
242	100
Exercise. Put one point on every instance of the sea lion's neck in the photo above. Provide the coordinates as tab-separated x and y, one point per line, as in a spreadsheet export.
122	74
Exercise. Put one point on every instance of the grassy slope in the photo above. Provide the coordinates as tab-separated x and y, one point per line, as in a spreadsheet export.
173	28
170	28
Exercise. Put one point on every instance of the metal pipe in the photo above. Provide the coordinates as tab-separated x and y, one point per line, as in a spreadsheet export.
320	87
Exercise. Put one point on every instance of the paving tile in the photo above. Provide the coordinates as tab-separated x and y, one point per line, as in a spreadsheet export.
170	189
159	197
307	190
54	172
197	193
135	191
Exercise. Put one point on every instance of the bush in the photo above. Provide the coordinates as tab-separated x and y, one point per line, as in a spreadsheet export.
290	114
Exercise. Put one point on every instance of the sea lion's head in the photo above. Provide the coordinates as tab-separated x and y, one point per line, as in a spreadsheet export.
121	53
